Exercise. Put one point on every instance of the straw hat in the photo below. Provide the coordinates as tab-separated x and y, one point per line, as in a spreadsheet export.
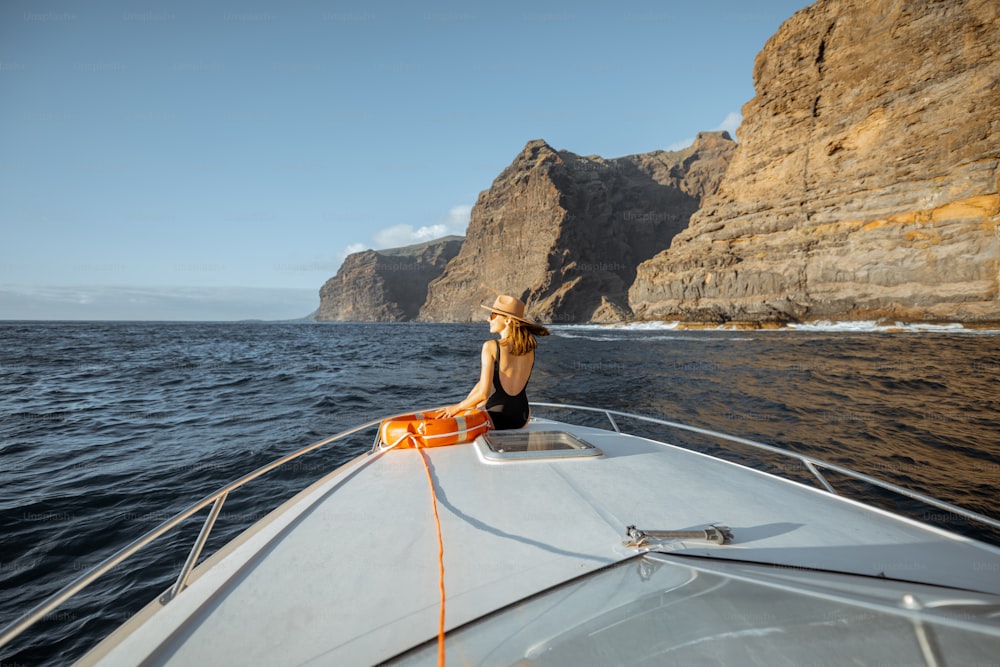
509	307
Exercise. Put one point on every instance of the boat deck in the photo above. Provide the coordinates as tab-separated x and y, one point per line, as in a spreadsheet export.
304	585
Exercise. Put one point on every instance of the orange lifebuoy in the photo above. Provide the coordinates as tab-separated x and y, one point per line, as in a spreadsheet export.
429	429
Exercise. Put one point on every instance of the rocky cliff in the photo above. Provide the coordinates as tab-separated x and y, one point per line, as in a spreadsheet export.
866	177
385	285
565	232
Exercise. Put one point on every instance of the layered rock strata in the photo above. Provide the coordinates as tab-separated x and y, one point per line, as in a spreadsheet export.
565	233
385	285
866	177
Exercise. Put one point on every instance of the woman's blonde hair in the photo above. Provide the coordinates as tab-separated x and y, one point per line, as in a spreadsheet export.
520	338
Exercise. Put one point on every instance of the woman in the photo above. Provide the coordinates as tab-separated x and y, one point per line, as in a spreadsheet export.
506	366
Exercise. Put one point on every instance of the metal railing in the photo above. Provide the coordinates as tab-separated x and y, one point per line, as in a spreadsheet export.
217	498
811	463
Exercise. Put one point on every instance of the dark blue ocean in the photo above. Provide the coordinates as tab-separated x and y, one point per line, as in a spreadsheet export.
107	429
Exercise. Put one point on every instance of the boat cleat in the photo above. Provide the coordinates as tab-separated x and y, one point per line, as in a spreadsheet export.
639	539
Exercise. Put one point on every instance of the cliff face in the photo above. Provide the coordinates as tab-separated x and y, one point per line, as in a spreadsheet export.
385	285
865	181
564	233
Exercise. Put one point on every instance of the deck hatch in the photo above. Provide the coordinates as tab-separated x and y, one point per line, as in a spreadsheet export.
522	445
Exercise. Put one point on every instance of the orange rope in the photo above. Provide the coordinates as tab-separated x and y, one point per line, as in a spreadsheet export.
437	522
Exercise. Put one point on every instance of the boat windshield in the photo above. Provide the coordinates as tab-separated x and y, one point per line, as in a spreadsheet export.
660	610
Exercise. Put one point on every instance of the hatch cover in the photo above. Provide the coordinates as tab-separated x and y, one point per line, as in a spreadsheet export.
527	445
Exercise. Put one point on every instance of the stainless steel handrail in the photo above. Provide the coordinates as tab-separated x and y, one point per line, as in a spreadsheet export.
811	463
39	611
216	499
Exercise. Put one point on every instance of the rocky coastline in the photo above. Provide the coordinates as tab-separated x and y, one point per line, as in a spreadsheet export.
864	187
865	182
385	285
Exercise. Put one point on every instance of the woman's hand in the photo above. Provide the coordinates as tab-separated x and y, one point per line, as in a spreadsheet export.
450	410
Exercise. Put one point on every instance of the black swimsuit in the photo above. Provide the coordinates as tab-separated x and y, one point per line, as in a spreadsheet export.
505	410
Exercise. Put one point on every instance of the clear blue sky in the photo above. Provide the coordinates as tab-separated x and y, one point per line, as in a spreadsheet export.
217	160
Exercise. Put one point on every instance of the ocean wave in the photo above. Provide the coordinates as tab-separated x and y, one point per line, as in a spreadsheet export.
121	424
821	326
872	326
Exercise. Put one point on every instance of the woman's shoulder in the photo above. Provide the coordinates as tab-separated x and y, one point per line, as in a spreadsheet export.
507	345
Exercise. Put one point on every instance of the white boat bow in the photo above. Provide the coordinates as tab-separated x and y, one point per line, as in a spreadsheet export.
562	542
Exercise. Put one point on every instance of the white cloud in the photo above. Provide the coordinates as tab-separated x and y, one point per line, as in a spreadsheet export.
454	223
680	145
353	248
401	235
458	218
732	121
728	124
349	250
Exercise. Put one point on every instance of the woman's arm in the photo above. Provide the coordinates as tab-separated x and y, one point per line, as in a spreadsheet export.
481	391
